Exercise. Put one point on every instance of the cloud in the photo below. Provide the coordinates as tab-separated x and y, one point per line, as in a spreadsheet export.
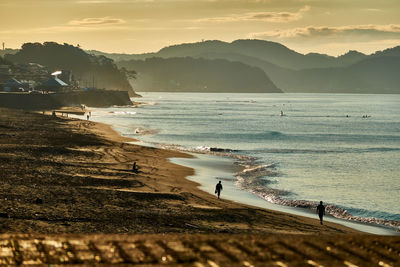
374	10
370	31
279	17
110	1
82	25
96	21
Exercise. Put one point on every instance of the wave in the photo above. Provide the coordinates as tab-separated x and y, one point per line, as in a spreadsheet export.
215	149
256	170
223	152
254	180
144	131
123	112
326	151
139	104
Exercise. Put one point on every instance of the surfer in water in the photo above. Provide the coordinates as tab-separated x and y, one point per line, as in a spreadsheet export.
321	211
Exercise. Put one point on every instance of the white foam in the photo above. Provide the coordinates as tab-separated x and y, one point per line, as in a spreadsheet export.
123	112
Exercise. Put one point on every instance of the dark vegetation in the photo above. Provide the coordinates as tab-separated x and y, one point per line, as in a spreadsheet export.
89	70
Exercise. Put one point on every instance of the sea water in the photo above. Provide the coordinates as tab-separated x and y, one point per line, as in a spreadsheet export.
294	149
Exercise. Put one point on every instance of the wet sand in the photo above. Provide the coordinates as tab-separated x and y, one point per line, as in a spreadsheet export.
213	168
63	175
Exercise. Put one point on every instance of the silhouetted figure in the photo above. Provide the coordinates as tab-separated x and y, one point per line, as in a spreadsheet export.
320	211
218	189
87	116
135	168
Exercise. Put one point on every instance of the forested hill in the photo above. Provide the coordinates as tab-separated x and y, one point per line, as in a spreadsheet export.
272	52
198	75
89	70
353	72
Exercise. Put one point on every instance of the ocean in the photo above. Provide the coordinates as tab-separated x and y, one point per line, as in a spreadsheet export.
292	149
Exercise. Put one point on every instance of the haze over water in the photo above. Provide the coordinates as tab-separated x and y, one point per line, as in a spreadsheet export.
315	151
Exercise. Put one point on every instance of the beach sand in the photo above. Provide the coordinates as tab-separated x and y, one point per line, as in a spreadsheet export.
68	195
63	175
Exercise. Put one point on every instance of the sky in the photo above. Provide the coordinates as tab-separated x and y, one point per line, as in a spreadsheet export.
138	26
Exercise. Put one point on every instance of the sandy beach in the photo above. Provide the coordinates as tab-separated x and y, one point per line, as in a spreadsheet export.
63	175
68	196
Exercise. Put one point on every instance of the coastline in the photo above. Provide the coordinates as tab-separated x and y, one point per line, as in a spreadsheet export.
206	172
222	172
207	168
75	177
281	172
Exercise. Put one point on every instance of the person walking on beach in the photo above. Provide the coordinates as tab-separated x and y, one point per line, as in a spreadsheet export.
135	168
320	211
218	189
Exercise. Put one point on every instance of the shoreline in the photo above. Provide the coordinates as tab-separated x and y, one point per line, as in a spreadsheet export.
244	197
64	175
249	199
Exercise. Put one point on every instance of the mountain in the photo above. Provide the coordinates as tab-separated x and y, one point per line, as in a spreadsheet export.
198	75
351	57
372	75
353	72
120	56
272	52
88	69
395	51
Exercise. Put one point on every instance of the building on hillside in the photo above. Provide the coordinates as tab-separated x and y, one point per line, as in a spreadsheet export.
28	85
13	85
54	84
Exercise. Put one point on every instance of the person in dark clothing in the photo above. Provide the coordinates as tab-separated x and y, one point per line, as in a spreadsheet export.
218	189
135	168
320	211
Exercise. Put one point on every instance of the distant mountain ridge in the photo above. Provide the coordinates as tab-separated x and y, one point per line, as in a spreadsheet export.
272	52
198	75
353	72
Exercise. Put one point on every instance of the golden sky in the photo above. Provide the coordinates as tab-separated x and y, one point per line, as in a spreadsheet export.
136	26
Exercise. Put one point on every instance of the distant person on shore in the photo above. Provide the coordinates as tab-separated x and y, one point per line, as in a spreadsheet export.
135	168
218	189
321	211
87	116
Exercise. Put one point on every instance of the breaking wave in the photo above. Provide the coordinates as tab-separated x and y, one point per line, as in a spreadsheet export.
123	112
254	179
